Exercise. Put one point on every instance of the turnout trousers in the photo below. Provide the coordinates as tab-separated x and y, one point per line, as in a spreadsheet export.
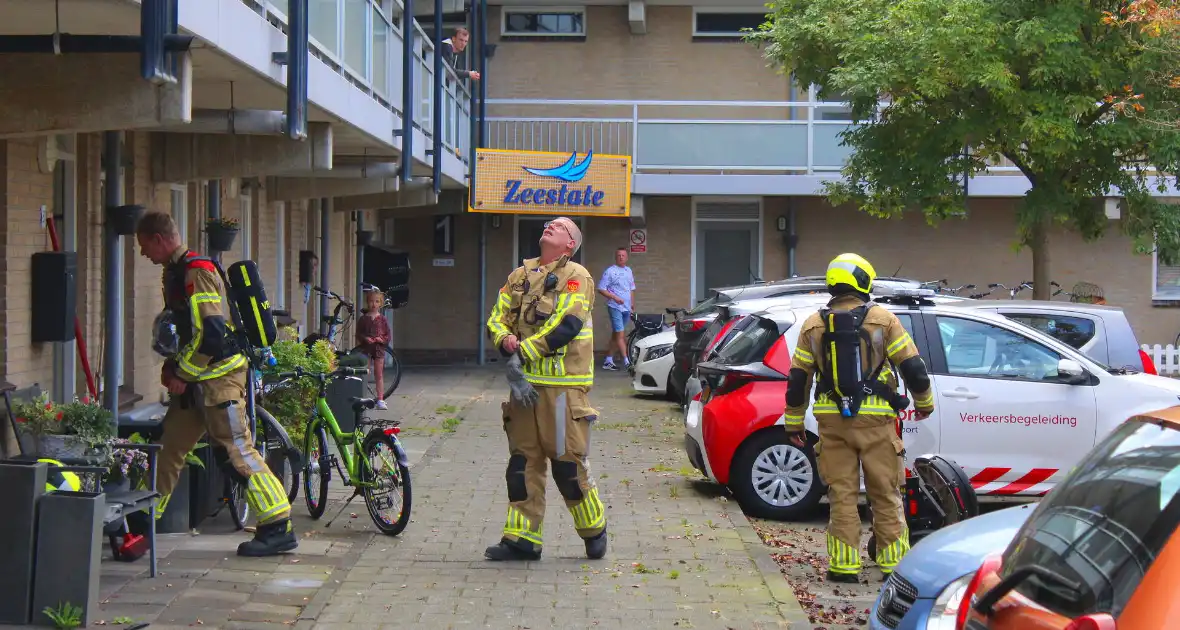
555	430
217	407
845	448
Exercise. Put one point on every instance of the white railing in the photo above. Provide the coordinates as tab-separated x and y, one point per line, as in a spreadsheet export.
1166	358
800	137
362	40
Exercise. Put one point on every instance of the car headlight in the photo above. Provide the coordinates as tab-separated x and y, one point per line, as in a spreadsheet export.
656	352
946	606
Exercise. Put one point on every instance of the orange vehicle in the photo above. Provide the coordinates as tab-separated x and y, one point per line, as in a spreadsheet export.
1101	551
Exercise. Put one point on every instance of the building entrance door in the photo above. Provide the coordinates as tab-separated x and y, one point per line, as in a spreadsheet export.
727	246
528	235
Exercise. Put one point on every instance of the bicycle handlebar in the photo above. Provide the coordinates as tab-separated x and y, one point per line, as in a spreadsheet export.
341	372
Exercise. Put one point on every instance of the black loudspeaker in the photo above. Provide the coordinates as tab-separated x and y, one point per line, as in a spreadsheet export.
389	270
55	296
306	259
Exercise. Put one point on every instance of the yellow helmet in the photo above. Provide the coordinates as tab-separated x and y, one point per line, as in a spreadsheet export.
851	270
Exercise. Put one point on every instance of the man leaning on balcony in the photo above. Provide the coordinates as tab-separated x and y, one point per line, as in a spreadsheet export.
454	45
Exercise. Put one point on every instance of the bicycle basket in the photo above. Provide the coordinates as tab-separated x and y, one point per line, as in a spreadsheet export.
1087	293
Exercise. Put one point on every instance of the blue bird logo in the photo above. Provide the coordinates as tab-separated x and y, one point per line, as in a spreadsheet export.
571	171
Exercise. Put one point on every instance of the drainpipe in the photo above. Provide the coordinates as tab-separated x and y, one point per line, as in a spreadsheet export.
440	79
483	71
792	239
325	253
297	52
408	63
360	257
112	361
213	211
472	122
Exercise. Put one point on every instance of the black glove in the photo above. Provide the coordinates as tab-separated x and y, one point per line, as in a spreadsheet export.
522	390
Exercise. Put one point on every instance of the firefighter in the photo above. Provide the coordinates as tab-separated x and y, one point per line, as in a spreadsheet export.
851	347
207	381
541	321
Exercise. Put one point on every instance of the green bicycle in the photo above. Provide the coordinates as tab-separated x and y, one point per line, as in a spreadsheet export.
375	463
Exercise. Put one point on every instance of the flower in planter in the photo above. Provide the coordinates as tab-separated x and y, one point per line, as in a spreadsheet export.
129	464
88	420
38	417
223	223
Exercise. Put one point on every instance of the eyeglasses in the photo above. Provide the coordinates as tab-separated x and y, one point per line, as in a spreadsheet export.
558	224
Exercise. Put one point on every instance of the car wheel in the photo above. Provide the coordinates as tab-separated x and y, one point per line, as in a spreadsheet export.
775	479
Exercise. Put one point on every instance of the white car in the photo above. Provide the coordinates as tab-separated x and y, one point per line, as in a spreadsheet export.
650	369
1016	408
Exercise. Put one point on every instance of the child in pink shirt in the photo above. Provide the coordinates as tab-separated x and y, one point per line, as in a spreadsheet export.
372	333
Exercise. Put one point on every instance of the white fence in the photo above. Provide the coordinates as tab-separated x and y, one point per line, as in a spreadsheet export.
1166	358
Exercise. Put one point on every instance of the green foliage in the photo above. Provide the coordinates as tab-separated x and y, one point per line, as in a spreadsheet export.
64	615
292	402
87	420
1038	83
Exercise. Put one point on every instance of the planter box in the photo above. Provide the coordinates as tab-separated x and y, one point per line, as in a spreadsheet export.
175	519
221	239
69	551
53	446
21	485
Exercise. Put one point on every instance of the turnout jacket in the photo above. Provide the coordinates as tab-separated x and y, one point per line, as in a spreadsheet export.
890	342
548	308
196	295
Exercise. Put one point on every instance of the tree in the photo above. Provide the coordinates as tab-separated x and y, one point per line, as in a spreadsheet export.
1056	88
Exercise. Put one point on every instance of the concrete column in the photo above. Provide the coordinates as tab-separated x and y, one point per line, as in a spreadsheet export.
112	362
325	261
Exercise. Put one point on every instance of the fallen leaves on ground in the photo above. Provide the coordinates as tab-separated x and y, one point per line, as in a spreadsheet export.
803	561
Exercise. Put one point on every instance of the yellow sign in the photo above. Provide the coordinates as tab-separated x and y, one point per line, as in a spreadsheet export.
534	182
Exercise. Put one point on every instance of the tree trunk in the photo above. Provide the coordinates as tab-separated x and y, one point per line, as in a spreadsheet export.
1038	242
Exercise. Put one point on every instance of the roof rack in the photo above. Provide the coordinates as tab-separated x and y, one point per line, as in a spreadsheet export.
905	296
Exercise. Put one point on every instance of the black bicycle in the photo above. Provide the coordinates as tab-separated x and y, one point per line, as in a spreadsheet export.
340	321
643	326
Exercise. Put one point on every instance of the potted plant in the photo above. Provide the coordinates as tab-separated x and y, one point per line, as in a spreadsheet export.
124	219
72	430
291	402
221	232
125	468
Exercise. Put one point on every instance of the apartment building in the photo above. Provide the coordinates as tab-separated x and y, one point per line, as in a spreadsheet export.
727	159
307	128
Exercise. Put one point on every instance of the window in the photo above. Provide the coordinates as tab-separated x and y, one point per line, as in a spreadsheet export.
543	23
751	340
1105	524
1075	331
982	350
246	230
180	210
1167	280
725	22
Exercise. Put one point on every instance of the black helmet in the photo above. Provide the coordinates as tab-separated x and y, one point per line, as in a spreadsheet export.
165	341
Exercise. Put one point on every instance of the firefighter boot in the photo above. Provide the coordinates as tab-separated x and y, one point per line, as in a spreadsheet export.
844	578
270	539
596	545
506	550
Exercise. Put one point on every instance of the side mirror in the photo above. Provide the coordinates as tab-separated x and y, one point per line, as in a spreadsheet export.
1071	372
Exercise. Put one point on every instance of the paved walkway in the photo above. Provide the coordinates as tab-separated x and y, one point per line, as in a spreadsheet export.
681	555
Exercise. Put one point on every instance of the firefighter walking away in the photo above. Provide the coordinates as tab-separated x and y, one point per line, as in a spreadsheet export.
205	373
541	322
852	347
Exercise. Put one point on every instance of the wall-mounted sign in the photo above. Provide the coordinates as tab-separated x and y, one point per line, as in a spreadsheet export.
638	241
444	262
571	184
444	235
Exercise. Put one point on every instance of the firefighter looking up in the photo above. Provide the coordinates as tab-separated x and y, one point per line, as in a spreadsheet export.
207	382
541	321
852	346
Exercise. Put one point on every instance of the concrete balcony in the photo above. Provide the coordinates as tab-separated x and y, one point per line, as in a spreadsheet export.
704	147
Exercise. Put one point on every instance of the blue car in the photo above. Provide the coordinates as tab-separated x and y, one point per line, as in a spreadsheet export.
926	589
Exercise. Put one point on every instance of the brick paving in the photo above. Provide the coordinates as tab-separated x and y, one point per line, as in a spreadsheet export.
682	556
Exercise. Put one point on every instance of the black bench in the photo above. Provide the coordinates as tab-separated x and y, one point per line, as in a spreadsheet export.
119	504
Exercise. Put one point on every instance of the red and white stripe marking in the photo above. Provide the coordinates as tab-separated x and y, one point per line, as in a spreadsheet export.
1030	484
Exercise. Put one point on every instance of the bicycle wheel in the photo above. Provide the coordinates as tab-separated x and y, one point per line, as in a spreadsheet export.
283	459
317	470
393	374
383	465
239	508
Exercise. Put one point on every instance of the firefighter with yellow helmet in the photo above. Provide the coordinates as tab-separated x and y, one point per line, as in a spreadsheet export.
541	321
851	348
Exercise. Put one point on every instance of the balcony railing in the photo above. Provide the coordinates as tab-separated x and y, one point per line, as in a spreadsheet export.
362	40
795	137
